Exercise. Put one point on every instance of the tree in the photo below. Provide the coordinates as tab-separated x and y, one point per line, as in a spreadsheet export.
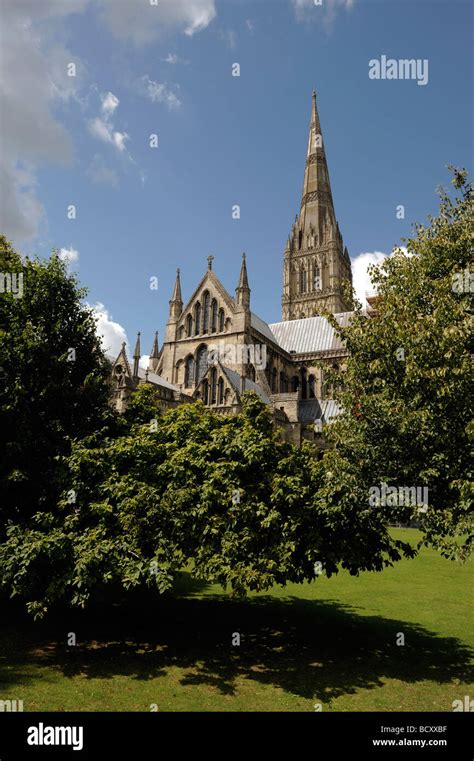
408	383
221	494
54	379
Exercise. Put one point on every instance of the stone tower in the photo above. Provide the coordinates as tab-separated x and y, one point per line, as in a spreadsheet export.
316	261
171	333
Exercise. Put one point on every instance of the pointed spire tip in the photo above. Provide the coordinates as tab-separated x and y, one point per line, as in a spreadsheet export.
243	279
176	297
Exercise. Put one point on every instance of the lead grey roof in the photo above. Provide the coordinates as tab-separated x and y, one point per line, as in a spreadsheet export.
235	380
311	334
316	409
258	324
157	380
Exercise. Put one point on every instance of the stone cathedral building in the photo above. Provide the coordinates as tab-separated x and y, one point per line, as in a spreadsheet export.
216	347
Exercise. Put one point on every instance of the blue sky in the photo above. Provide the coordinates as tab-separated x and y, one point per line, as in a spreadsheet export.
222	140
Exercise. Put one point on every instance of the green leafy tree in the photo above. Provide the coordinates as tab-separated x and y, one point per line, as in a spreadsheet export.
408	384
53	379
221	494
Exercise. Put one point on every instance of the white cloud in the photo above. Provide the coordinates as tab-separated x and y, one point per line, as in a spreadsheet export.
99	129
325	12
142	23
360	276
103	128
158	92
21	211
33	77
109	103
111	333
173	59
70	256
42	10
118	139
250	24
144	360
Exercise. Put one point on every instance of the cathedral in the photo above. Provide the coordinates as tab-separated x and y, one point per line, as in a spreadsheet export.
216	347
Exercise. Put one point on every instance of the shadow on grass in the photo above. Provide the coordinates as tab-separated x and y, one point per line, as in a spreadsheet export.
304	647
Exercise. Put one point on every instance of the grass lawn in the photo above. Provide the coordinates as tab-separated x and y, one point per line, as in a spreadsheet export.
332	642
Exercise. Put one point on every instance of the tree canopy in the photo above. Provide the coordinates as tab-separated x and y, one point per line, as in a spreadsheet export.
53	378
220	494
408	382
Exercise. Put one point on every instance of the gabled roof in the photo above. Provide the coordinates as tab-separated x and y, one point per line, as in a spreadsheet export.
311	334
235	381
122	355
211	277
249	385
153	378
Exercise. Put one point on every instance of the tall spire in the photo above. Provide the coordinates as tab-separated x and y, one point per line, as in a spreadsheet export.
243	279
315	263
176	303
154	355
136	356
177	289
243	290
154	350
317	209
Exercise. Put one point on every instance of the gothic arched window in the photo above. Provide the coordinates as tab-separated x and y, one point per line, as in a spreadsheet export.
205	316
213	398
197	318
214	316
303	281
189	372
317	279
220	391
201	363
274	380
311	391
205	392
295	382
303	384
221	320
189	326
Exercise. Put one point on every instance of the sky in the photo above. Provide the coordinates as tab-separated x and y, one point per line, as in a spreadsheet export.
127	141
